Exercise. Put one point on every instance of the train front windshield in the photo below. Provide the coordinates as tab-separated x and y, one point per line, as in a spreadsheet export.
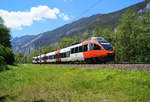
105	44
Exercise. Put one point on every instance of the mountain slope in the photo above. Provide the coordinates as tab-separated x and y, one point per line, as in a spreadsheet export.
75	28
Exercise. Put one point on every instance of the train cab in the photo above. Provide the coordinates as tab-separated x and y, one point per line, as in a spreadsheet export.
99	50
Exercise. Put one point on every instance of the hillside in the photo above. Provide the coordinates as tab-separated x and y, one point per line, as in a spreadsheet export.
75	28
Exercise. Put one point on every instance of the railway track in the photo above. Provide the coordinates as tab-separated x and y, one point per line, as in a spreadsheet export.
110	66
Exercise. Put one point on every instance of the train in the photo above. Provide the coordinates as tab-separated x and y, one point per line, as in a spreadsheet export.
93	50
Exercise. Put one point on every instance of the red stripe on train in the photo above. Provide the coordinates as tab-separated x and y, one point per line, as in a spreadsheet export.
58	59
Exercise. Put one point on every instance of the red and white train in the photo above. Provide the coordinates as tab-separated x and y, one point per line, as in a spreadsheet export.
94	50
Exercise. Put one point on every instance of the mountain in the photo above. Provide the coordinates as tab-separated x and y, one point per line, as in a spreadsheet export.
27	44
19	42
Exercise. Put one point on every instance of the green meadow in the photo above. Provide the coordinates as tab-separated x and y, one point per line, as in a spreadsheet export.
39	83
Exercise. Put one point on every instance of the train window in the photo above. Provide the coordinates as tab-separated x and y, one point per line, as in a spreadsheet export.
72	50
105	44
57	56
61	55
68	54
76	50
53	56
107	47
46	57
36	59
64	55
49	57
80	49
91	46
85	48
42	58
96	47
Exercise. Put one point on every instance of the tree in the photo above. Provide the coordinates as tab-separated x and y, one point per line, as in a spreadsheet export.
4	36
2	60
85	36
6	54
132	38
46	49
67	41
143	45
19	58
125	37
104	33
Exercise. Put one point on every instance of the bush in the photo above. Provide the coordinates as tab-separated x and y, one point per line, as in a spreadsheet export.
2	60
3	64
7	56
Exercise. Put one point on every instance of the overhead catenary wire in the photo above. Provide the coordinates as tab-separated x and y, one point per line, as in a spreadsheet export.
88	9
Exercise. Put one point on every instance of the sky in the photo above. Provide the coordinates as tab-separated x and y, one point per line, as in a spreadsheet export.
31	17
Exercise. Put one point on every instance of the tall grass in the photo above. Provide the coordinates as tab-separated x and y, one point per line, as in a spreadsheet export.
35	83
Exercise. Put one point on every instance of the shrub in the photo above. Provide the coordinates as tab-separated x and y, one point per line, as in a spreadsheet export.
7	56
2	60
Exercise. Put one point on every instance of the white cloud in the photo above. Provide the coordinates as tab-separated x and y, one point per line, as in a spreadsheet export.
15	20
65	17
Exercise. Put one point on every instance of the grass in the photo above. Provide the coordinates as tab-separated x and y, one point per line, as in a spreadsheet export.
35	83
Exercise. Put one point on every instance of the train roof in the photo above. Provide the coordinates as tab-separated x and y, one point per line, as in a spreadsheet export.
95	38
50	53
